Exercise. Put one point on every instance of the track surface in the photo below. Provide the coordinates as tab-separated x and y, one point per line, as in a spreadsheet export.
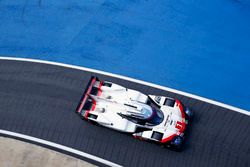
39	100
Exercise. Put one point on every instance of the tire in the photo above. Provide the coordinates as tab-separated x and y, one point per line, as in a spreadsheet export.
179	145
189	114
82	114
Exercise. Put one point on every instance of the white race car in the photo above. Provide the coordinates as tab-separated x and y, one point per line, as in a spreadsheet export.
147	117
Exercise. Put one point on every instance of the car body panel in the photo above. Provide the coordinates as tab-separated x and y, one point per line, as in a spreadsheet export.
148	117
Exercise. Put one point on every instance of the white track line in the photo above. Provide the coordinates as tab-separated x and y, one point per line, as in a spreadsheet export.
68	149
133	80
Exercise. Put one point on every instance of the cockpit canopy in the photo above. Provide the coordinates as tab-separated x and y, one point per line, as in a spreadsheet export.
156	116
148	114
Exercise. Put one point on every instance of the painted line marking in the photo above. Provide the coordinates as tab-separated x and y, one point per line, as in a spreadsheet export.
61	147
132	80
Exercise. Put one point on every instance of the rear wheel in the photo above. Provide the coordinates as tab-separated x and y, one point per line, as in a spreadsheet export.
82	114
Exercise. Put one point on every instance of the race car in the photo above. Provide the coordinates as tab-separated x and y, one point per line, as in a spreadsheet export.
160	119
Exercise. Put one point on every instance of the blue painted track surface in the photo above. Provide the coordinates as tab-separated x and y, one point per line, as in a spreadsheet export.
201	47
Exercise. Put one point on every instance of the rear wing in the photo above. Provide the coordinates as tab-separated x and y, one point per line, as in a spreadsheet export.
93	88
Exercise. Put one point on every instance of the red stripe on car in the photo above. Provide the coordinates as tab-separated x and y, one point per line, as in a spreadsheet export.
99	89
181	108
169	138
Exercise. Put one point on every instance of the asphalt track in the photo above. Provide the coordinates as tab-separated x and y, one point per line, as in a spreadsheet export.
39	100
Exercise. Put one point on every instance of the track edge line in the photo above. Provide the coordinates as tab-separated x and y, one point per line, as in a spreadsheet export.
232	108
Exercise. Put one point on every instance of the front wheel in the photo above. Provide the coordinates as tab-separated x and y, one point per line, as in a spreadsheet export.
177	142
189	113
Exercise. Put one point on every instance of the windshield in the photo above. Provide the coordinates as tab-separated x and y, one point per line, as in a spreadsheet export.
156	117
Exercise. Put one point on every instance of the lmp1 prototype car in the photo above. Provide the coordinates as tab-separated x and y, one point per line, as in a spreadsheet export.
148	117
